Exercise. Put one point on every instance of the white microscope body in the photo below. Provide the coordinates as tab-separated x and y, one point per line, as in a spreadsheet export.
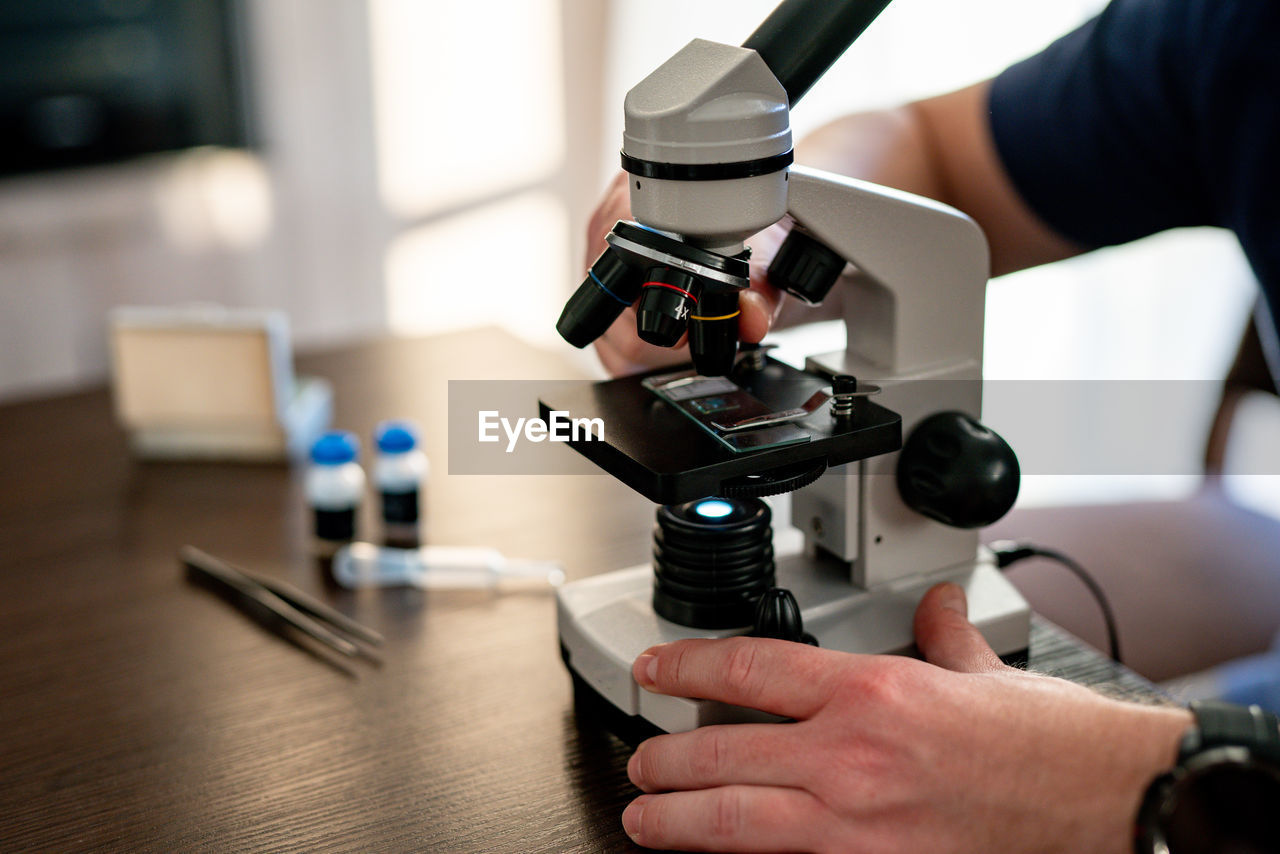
914	311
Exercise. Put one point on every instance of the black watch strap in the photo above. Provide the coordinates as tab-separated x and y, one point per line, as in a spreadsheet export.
1224	791
1226	725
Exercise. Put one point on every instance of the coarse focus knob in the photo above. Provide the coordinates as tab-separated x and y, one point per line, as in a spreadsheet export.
778	616
805	268
958	472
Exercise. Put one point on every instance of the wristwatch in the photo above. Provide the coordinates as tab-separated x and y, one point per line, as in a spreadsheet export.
1224	793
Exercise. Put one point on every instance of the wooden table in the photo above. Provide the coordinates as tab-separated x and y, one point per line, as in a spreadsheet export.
139	712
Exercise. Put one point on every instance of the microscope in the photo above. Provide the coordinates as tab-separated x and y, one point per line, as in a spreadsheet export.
890	471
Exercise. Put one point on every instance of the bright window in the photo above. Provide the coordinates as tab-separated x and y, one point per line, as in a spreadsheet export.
467	99
500	264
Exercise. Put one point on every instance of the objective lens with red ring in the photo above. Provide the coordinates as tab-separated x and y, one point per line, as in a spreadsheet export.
666	300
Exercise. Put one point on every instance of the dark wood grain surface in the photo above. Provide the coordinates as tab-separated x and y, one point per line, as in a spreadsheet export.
140	713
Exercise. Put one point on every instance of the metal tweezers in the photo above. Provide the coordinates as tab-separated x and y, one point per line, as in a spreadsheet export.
279	605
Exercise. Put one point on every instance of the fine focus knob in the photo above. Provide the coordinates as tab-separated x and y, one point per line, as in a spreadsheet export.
805	268
778	616
958	472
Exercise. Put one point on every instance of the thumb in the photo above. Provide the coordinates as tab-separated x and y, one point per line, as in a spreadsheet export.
946	637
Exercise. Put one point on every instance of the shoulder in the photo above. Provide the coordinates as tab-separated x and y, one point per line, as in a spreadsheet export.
1170	42
1135	107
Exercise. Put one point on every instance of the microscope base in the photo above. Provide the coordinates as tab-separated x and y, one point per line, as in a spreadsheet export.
607	620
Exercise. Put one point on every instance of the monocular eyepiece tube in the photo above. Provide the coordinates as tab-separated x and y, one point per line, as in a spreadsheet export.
713	330
801	39
610	286
664	307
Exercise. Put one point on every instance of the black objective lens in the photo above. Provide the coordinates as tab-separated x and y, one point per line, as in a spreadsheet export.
805	268
664	307
712	561
610	287
713	330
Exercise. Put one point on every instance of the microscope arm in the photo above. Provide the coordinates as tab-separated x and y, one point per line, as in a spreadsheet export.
914	315
917	302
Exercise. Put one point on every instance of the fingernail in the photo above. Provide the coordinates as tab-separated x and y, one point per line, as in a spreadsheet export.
646	669
631	819
951	597
633	766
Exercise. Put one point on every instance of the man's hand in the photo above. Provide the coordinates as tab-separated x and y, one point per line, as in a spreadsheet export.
620	349
893	754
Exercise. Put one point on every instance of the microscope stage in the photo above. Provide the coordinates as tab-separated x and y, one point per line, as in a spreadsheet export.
662	454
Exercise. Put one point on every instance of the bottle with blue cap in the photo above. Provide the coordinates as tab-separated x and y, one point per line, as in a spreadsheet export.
398	472
335	486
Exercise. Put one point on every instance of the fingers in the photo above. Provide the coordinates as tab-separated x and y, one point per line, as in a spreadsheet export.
759	308
730	818
788	679
946	637
762	302
755	754
615	205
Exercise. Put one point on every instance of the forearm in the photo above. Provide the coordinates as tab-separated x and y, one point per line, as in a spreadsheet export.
942	148
888	147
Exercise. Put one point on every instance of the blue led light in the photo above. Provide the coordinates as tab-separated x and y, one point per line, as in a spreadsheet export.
713	508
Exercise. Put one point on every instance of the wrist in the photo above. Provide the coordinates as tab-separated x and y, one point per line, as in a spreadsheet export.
1158	732
1152	740
1135	745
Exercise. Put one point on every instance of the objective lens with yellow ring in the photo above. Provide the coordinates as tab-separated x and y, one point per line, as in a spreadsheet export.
713	330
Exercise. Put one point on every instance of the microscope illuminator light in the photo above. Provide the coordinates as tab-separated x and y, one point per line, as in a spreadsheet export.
713	508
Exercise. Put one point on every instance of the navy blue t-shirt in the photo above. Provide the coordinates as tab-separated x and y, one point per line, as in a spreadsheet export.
1155	114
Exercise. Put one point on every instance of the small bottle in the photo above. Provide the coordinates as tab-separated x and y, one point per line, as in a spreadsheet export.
335	486
398	472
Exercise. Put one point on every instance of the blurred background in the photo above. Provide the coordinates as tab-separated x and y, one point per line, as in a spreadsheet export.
409	166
